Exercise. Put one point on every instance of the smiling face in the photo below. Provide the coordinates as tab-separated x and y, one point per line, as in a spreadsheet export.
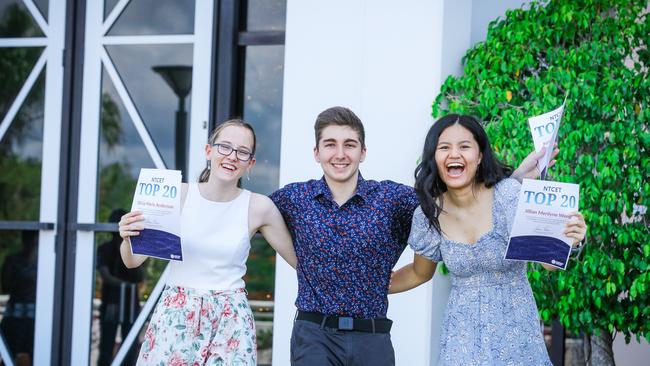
228	167
339	153
457	157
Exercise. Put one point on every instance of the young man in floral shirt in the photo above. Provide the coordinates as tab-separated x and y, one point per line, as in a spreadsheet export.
348	234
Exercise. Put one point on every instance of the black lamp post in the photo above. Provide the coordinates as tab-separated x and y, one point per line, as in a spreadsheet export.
179	78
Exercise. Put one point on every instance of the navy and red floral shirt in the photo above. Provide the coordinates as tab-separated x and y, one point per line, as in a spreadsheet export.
346	254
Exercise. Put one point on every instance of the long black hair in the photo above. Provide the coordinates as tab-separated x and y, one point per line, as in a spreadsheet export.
428	184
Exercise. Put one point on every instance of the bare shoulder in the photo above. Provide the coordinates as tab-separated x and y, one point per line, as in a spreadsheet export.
260	203
260	212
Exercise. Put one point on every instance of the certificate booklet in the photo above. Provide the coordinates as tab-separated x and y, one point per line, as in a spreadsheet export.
544	130
542	213
158	196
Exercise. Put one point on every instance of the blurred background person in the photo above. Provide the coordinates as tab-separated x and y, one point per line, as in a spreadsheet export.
19	281
120	296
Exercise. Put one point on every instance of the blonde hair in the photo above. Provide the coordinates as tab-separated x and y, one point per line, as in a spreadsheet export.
205	174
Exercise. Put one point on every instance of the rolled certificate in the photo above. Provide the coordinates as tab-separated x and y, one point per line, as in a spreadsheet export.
544	130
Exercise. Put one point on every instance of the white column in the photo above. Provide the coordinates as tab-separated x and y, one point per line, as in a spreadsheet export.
454	40
382	59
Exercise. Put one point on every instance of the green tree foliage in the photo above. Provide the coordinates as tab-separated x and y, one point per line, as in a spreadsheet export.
111	131
596	53
116	187
17	22
21	171
17	63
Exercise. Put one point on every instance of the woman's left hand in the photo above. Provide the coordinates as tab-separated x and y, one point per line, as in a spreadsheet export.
576	228
528	167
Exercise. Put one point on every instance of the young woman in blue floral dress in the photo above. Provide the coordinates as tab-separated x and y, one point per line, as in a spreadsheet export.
467	207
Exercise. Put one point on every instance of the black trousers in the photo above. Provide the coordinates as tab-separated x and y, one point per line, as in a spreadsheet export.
108	323
313	345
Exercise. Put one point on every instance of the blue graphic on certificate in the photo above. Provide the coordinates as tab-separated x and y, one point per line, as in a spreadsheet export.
542	213
158	196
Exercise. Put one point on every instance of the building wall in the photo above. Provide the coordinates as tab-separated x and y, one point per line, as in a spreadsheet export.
381	59
632	354
483	12
386	61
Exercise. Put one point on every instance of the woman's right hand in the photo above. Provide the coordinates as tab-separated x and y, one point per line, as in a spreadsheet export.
131	224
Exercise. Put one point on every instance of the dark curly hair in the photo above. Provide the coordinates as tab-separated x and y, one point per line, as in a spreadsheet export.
428	184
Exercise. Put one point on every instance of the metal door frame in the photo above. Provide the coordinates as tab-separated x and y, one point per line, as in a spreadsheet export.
82	232
51	62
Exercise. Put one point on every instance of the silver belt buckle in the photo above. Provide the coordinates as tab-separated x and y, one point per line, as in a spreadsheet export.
346	323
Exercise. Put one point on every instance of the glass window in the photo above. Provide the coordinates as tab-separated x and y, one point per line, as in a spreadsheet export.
109	5
20	182
121	154
21	151
263	109
266	15
119	292
16	20
42	6
147	17
262	103
16	63
157	103
119	295
18	269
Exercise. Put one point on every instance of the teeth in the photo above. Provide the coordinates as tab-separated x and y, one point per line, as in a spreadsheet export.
455	165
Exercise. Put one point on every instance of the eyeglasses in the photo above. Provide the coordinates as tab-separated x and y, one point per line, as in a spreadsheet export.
226	150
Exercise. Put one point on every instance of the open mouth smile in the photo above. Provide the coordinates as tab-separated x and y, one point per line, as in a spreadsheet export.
455	170
229	167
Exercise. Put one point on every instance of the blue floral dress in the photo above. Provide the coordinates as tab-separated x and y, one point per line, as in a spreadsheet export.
491	317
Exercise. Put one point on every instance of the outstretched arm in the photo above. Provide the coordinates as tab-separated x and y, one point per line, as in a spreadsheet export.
528	167
274	229
412	275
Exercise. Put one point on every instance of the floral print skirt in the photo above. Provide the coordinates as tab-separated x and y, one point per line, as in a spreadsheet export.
200	327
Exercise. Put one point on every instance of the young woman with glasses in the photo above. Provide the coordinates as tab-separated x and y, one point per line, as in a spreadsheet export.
203	316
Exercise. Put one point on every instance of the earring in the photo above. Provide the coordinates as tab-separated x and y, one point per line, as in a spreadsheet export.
248	175
209	163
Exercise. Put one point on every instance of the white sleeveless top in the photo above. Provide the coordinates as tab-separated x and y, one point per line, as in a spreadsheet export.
215	243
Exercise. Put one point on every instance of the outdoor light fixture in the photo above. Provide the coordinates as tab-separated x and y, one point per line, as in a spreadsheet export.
179	78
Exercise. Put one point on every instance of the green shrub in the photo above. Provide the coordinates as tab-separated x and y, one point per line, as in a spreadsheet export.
596	52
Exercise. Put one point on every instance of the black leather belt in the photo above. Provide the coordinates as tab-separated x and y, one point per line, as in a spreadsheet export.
373	325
